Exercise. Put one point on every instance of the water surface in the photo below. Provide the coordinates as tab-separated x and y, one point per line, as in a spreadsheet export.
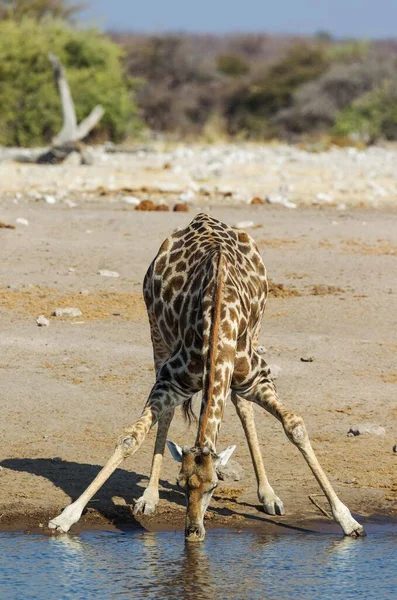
245	565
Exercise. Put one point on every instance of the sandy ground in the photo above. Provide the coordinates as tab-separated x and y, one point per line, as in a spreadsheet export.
68	390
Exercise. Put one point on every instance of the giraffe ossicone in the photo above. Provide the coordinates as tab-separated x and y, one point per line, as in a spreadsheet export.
205	294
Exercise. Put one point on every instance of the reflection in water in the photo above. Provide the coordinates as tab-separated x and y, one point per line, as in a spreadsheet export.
228	565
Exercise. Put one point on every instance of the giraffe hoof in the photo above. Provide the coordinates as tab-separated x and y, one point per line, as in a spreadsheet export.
273	506
66	519
145	505
355	531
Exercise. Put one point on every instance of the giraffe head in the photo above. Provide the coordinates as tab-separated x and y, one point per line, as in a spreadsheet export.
198	479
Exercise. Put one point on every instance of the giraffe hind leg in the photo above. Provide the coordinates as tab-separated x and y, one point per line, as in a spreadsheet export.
272	505
262	391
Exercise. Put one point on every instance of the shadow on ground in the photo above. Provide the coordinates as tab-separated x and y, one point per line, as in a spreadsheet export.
72	478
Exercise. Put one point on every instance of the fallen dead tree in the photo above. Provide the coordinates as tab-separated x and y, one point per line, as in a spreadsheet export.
69	139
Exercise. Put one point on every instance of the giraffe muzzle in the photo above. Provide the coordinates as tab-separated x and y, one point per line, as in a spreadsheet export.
194	533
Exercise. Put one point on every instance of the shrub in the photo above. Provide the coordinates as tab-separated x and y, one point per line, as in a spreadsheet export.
232	65
31	110
316	104
372	116
38	9
251	105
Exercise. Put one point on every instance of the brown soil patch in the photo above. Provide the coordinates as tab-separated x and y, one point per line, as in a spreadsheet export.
277	242
383	247
279	290
228	493
97	305
324	290
6	226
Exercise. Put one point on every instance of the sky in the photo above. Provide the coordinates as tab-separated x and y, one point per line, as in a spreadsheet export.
341	18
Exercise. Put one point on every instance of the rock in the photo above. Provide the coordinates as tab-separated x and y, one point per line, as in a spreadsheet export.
257	200
105	273
261	350
132	200
162	207
145	205
180	207
244	224
395	448
275	371
326	198
187	196
42	321
232	471
49	199
84	292
67	312
307	358
366	428
22	221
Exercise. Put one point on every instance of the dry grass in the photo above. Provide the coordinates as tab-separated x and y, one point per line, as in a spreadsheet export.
96	305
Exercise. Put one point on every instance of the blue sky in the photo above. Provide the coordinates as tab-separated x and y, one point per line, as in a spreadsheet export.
356	18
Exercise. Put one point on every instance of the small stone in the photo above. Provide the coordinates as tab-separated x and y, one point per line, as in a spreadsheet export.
257	200
67	312
145	205
350	480
244	224
42	321
71	271
162	207
57	459
275	371
105	273
307	358
84	292
232	471
366	428
395	449
261	350
181	207
50	199
132	200
22	221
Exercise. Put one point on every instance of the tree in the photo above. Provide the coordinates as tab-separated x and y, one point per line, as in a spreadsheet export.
31	109
38	9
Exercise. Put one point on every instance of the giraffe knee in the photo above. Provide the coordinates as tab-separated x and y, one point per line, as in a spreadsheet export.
127	443
295	429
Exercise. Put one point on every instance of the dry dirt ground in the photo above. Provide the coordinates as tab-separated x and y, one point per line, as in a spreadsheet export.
68	390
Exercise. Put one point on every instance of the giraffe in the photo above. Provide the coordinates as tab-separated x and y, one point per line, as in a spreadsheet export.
205	294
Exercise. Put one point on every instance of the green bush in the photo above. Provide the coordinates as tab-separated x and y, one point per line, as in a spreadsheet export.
252	104
30	103
372	116
232	65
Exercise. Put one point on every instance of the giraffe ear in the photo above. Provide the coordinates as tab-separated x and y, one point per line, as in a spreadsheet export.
175	450
224	456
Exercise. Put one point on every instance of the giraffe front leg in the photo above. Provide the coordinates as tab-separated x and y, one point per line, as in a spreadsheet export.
263	392
147	503
164	396
272	505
